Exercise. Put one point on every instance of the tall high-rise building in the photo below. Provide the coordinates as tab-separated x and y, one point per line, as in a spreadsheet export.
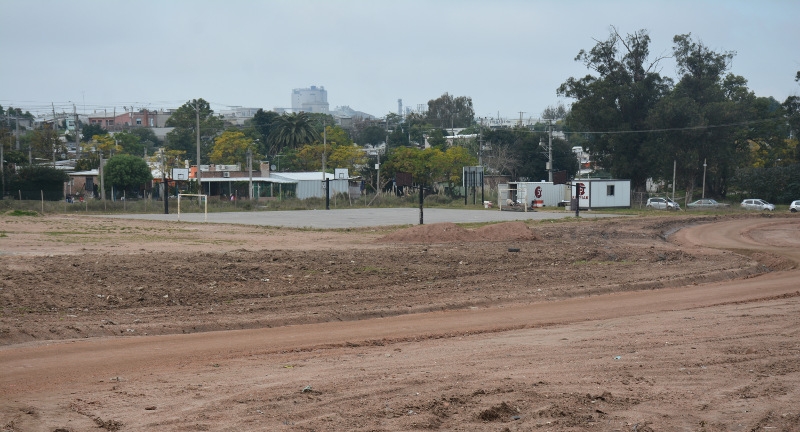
311	100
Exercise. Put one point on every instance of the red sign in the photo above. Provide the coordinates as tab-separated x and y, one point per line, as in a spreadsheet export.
538	192
581	189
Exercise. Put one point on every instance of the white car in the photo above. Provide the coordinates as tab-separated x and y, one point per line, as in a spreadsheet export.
757	204
794	206
662	204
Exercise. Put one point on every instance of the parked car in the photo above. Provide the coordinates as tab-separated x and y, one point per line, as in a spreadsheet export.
706	204
662	204
757	204
794	206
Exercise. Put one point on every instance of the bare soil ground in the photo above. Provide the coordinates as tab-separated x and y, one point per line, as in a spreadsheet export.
630	324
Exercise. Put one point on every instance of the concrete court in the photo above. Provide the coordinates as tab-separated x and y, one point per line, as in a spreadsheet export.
363	217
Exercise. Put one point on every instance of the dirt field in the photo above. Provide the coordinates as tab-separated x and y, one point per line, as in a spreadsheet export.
660	323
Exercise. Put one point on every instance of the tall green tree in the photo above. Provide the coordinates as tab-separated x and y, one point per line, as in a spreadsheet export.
290	131
792	111
90	130
262	124
320	121
127	173
612	106
130	143
502	151
231	147
184	120
436	139
689	121
450	112
46	145
147	137
373	135
425	165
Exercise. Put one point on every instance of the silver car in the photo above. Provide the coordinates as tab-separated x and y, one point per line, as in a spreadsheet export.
659	203
706	203
757	204
794	206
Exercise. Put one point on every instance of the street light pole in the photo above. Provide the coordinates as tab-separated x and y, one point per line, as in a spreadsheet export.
550	150
704	178
197	119
250	171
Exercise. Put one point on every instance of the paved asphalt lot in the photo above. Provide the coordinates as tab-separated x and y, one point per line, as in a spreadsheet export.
355	218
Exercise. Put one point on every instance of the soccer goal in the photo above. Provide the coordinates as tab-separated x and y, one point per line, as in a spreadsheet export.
200	197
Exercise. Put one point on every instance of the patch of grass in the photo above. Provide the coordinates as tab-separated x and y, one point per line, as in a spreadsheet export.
60	233
22	213
370	269
3	234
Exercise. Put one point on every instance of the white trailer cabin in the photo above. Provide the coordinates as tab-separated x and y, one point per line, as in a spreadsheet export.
311	185
533	194
602	193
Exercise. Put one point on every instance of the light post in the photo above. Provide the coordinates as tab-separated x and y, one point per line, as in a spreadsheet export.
704	179
250	172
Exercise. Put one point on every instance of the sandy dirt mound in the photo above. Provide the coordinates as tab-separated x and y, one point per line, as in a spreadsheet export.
450	232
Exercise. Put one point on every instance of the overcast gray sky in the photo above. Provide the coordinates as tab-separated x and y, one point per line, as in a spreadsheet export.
507	55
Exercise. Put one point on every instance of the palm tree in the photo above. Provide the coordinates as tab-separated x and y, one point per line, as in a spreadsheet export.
292	131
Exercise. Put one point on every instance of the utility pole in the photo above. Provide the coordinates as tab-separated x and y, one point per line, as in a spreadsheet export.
164	183
378	175
674	169
55	121
102	181
197	118
550	151
75	112
30	152
250	171
704	178
480	144
2	169
324	149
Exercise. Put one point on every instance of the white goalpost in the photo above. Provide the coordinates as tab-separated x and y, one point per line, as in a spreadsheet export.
201	197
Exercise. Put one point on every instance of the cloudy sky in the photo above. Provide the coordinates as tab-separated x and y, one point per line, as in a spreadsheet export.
509	56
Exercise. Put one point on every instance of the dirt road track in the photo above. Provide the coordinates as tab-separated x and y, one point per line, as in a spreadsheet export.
47	372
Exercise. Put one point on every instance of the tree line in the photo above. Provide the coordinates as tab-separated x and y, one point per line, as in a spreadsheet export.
705	127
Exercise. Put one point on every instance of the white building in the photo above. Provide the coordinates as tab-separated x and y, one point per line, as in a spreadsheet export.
238	115
311	100
311	185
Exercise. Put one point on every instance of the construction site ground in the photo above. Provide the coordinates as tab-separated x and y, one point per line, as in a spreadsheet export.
661	322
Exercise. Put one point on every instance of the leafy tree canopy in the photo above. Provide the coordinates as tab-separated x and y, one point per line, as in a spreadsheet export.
231	148
262	126
90	130
450	112
127	172
430	165
340	152
184	120
46	144
290	131
617	99
372	135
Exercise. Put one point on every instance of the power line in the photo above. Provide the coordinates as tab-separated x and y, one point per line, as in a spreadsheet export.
674	129
744	123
